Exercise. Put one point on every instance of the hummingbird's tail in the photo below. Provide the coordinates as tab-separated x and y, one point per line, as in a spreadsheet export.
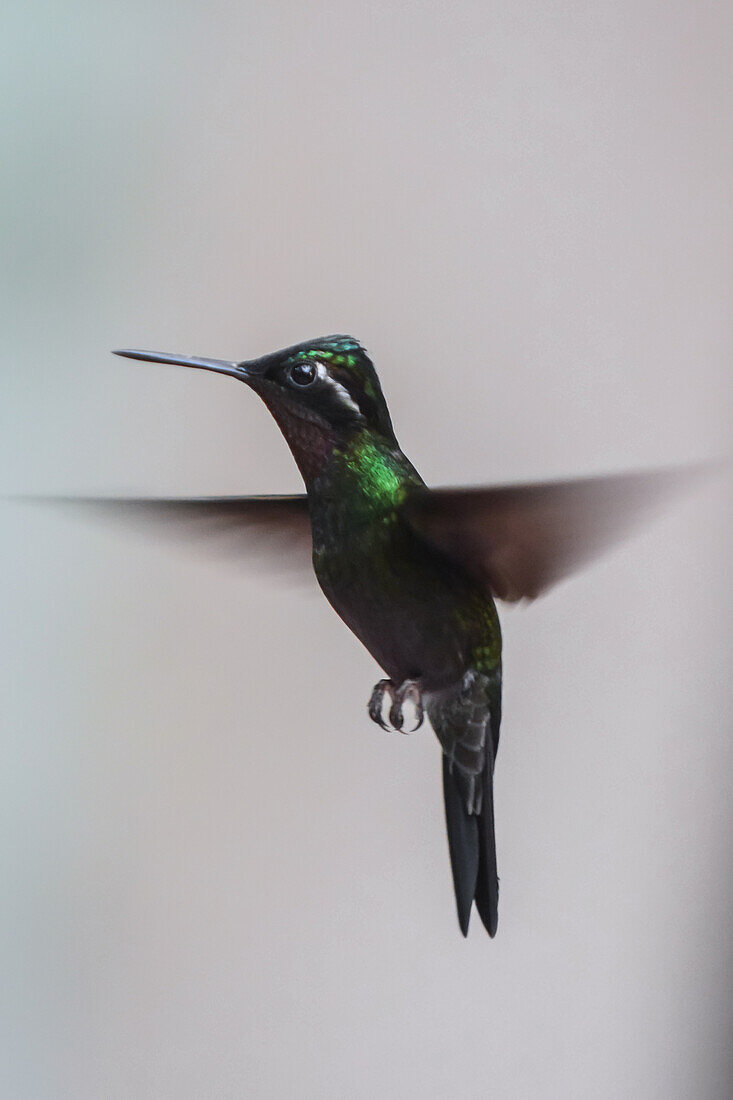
467	725
472	848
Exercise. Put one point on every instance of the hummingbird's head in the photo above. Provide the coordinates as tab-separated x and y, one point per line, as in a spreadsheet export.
320	392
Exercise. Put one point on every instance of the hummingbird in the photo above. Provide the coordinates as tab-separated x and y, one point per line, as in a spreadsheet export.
414	572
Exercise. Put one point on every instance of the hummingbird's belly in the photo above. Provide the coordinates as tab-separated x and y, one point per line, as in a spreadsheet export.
417	618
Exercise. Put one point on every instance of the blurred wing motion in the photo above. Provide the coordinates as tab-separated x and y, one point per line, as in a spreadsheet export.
516	541
519	540
274	529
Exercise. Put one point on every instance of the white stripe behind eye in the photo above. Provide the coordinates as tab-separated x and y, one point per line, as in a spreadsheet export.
340	391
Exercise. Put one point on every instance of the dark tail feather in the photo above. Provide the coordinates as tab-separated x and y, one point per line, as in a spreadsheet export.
473	848
487	884
463	843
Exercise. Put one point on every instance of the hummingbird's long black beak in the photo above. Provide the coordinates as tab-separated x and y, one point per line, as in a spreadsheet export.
220	366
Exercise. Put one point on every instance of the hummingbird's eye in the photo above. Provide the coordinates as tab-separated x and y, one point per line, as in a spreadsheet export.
303	374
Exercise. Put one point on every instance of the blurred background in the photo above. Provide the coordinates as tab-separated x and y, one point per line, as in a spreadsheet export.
220	879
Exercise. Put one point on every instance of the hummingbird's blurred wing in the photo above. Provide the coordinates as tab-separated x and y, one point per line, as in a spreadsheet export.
274	529
519	540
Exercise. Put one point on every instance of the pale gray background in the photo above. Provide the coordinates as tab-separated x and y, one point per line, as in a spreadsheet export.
220	880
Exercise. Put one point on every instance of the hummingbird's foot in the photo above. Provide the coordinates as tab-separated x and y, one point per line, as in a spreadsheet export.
409	690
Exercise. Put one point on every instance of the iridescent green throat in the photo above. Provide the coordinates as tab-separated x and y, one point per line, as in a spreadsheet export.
370	474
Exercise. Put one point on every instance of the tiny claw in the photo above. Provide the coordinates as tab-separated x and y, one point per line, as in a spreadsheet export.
410	689
395	715
376	702
419	715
